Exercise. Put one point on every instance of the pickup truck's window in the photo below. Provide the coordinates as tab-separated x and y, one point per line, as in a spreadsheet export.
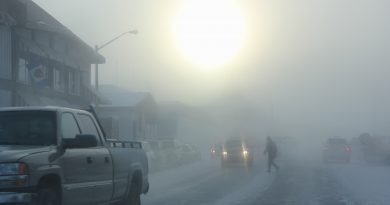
88	125
28	128
69	127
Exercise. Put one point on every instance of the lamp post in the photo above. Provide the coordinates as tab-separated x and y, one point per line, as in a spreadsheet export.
98	48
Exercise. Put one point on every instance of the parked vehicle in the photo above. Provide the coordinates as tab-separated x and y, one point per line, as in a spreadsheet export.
197	152
216	151
54	155
375	149
237	151
188	153
170	152
337	149
152	160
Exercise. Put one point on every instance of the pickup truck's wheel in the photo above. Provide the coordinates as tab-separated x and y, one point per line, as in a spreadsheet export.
47	197
133	197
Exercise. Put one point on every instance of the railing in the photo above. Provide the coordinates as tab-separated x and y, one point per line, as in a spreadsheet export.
124	144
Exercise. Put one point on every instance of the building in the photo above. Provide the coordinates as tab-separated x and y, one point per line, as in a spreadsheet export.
130	115
41	61
179	121
168	119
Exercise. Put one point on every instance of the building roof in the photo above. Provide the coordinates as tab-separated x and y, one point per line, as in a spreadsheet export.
40	108
38	19
123	98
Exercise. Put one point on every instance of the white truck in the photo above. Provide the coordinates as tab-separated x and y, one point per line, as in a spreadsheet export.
55	155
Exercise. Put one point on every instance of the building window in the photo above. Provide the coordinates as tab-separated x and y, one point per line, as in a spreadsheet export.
74	82
58	80
20	101
5	98
71	82
23	74
5	53
77	82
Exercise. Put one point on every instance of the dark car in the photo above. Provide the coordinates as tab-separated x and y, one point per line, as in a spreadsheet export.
236	151
337	149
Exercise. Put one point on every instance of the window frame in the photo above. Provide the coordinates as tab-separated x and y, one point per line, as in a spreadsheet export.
61	121
23	69
60	79
99	132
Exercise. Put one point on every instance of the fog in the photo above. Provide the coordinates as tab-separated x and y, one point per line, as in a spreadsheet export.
308	68
228	102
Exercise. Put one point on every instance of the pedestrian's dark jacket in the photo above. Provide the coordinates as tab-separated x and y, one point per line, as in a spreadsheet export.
271	149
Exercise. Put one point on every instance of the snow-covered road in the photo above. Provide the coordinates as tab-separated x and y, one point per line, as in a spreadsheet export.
299	182
205	182
367	184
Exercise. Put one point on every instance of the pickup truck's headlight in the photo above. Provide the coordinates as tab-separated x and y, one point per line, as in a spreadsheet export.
7	169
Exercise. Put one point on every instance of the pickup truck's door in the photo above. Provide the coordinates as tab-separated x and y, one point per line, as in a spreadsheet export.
77	171
102	162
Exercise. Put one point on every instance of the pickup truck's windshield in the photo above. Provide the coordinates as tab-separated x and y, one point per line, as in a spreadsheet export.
27	128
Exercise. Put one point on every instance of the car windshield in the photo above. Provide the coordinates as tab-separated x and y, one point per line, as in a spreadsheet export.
233	144
337	141
27	128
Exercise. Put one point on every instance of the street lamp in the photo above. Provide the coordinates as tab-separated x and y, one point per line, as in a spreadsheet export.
98	48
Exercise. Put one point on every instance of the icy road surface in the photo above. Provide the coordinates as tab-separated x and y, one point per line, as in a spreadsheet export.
299	182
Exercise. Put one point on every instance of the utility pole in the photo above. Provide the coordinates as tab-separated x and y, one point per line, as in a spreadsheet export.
96	71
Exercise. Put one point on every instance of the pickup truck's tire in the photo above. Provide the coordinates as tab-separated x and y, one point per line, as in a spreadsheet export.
48	196
133	195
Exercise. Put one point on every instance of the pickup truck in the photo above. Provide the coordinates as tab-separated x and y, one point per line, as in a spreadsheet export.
54	155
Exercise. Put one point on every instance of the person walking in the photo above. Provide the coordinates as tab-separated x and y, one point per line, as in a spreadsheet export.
272	151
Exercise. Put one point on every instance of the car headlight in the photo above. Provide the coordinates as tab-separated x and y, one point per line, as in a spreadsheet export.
224	153
245	152
7	169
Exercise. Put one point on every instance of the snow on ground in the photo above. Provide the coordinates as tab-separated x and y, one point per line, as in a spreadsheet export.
245	194
368	184
206	183
179	179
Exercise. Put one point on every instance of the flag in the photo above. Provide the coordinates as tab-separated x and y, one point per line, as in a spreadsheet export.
38	73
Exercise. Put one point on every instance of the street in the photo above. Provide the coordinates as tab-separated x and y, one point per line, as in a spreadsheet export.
298	182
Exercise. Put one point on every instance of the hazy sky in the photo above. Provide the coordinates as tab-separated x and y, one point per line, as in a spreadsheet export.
314	62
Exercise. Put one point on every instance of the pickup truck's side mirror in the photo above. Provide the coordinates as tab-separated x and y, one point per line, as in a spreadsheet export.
80	141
